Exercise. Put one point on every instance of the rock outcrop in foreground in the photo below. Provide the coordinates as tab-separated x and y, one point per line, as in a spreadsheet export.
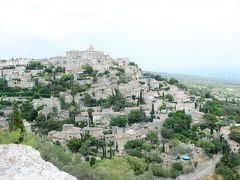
20	162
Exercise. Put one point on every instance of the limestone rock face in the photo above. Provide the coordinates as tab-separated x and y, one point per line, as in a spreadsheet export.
20	162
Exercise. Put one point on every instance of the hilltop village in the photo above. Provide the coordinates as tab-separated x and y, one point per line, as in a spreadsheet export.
102	108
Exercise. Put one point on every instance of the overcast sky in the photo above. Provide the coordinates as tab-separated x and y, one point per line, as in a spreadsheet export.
160	35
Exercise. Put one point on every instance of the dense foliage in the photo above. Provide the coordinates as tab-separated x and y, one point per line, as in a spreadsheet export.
120	121
227	166
15	121
176	123
117	101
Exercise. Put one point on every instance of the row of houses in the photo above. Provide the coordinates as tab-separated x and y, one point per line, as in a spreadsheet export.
119	135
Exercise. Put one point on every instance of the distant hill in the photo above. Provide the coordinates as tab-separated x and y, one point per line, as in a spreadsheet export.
214	81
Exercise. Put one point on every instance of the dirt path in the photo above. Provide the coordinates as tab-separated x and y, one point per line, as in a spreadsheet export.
203	170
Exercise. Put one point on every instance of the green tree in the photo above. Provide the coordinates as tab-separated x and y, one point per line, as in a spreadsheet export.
87	68
159	171
120	121
102	144
73	111
3	84
92	161
163	147
90	115
138	165
152	113
115	169
166	133
141	100
177	122
133	144
28	111
34	65
67	79
110	145
178	166
152	136
169	97
16	119
89	101
210	120
74	144
136	116
213	107
173	81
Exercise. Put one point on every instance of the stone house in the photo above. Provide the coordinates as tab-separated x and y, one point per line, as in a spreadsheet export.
27	126
98	117
68	132
14	62
95	132
3	122
82	117
136	131
234	146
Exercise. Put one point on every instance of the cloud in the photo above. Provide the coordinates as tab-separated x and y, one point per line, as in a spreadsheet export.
155	33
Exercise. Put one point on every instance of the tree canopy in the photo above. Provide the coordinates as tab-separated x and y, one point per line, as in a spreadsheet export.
120	121
16	122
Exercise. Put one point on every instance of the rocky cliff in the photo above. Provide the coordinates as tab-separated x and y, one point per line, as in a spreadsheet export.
20	162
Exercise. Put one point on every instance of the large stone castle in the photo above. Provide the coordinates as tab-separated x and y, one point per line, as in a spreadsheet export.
75	59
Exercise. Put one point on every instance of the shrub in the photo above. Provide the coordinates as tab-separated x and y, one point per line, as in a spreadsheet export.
178	166
159	171
174	173
120	121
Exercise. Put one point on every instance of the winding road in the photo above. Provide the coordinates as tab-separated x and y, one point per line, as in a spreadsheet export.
203	170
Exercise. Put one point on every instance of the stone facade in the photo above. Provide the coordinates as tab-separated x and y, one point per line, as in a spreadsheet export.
3	122
14	62
75	59
69	132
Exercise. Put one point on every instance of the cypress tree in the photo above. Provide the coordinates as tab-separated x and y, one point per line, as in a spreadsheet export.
141	100
163	148
90	115
196	105
211	129
105	151
16	119
116	146
152	113
97	145
111	152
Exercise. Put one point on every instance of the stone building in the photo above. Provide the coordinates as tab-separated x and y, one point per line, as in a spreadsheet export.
97	59
27	126
14	62
69	132
234	146
3	122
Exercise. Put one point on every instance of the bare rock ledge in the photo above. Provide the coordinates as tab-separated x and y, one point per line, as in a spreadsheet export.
20	162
